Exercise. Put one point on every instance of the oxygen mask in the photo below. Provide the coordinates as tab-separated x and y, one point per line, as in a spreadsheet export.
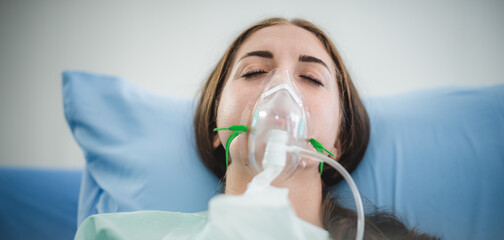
278	116
275	117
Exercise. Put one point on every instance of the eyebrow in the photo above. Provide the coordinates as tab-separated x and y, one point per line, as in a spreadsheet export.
268	54
264	54
306	58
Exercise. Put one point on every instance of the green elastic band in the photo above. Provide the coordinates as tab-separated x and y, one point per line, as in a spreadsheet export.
237	129
320	148
241	128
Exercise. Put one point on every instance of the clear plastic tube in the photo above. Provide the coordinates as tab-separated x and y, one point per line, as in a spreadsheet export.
358	201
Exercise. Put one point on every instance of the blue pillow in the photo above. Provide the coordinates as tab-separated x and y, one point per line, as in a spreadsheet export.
434	157
139	148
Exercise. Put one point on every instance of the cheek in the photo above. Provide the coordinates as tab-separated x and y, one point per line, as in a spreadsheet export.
233	108
324	120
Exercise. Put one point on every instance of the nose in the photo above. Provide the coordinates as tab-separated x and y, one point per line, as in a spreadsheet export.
279	76
281	80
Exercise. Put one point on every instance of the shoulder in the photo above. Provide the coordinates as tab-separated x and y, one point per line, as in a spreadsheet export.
139	225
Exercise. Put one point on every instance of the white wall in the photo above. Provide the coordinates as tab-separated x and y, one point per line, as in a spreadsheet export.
389	47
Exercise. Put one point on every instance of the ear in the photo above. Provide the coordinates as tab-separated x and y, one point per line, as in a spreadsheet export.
336	151
216	141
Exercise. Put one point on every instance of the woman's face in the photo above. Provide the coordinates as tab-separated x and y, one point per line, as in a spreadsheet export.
312	70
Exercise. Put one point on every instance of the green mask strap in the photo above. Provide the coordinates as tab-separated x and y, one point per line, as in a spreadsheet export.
318	146
237	129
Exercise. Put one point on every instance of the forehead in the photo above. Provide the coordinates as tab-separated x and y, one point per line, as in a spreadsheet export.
285	40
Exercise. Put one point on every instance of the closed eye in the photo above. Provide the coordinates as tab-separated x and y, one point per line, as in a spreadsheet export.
312	80
253	73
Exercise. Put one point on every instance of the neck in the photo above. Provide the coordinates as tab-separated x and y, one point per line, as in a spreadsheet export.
305	191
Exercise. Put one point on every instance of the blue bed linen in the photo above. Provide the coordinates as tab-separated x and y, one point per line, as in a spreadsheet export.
37	203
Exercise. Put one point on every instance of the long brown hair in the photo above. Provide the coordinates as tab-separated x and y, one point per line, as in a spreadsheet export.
351	142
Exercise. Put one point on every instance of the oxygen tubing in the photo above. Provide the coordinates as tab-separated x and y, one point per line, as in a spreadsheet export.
358	201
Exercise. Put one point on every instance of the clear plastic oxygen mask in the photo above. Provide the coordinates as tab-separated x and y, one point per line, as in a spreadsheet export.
279	117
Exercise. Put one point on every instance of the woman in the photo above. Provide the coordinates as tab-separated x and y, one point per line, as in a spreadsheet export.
338	119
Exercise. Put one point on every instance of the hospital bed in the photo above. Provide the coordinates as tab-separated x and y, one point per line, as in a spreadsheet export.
435	159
